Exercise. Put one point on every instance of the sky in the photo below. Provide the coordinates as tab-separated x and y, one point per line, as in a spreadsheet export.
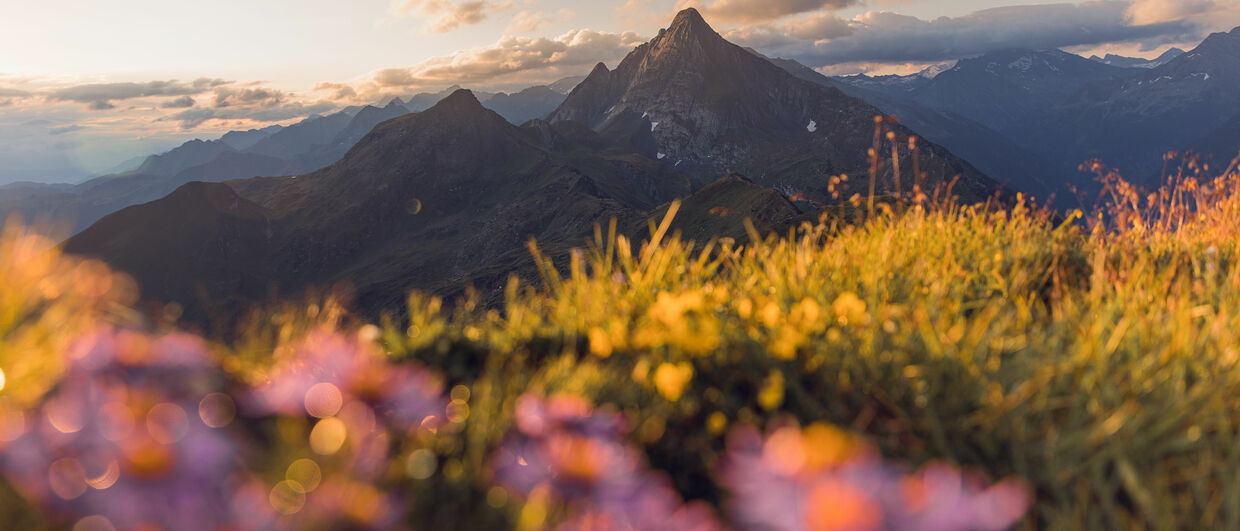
87	85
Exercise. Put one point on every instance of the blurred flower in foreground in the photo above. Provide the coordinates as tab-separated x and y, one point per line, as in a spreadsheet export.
822	478
563	451
326	371
355	400
125	438
47	300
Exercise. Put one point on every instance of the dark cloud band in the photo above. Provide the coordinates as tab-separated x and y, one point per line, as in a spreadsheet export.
884	37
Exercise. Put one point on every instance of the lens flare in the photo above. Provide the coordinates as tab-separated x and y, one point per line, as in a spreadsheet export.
217	410
305	472
167	423
323	400
328	436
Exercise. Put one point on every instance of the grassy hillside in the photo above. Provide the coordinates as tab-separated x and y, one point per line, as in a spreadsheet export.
1081	373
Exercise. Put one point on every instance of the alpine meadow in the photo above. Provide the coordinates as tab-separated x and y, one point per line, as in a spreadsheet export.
827	265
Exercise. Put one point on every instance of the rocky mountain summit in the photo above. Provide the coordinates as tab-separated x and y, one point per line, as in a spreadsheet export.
716	108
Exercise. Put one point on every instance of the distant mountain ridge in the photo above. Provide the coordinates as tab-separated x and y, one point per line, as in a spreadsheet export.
306	146
1059	110
1137	62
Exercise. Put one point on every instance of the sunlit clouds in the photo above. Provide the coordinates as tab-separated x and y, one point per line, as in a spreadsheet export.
890	38
100	96
77	100
755	11
447	15
508	61
1154	11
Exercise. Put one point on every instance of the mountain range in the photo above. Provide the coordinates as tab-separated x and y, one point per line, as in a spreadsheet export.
448	197
1137	62
440	192
302	147
1048	111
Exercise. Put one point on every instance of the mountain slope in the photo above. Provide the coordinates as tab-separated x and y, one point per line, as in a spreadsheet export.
715	108
436	200
1000	90
721	208
215	251
988	150
1131	123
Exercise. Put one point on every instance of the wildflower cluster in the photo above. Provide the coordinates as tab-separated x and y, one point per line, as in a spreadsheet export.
824	479
563	452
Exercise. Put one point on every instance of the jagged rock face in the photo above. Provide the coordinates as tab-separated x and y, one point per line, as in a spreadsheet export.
706	98
715	108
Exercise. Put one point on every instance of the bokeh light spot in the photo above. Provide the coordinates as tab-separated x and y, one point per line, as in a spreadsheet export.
287	497
328	436
306	473
107	478
167	423
67	478
421	464
458	411
497	497
323	400
369	333
413	206
217	410
115	421
94	523
64	416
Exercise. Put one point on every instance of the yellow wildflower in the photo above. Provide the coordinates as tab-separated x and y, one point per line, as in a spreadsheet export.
671	380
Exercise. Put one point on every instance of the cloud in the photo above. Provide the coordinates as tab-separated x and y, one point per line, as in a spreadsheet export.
756	11
527	21
511	60
339	91
12	93
886	37
1154	11
192	118
182	102
99	96
817	26
447	15
227	97
64	129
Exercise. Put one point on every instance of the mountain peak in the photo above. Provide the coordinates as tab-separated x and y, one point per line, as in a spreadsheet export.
461	100
688	16
690	23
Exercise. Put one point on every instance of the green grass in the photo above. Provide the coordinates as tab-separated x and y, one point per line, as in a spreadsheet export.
1096	358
